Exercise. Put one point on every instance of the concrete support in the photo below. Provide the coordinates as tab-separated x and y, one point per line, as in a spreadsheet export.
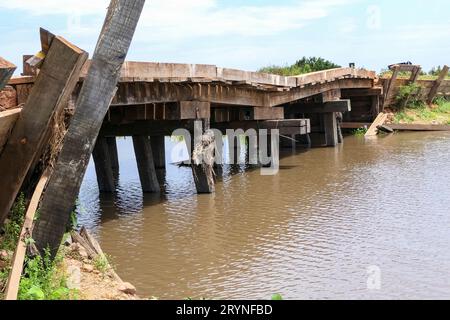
114	156
159	151
103	168
331	130
146	165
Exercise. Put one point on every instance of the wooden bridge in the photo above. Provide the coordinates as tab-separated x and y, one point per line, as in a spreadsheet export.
154	99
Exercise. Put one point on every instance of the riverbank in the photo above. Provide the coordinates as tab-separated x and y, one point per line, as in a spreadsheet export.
75	274
438	114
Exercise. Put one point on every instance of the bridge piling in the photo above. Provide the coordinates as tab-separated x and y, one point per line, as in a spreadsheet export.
159	151
146	164
104	165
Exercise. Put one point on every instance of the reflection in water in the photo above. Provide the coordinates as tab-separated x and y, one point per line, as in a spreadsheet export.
312	231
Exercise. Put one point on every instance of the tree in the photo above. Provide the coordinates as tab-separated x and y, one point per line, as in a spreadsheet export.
302	66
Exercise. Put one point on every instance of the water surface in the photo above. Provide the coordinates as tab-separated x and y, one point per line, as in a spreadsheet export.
310	232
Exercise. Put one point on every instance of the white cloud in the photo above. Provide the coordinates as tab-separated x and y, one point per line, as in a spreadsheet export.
175	19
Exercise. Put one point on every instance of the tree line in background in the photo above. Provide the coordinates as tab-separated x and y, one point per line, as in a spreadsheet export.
313	64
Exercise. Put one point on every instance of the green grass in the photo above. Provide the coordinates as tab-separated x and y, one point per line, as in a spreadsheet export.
43	279
439	113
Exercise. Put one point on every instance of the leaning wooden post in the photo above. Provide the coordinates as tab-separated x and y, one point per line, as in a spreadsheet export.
91	107
50	94
437	84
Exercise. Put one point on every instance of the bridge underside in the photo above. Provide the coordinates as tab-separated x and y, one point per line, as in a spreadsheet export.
154	99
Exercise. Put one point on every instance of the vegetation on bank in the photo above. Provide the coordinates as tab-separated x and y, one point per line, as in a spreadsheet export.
433	74
302	66
411	108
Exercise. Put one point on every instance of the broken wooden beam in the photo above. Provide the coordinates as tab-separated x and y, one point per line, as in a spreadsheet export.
437	84
373	129
50	94
92	105
203	158
6	71
146	164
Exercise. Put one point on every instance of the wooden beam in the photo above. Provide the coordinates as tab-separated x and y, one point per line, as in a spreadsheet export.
12	287
7	121
146	164
50	94
275	113
437	84
203	158
327	107
6	71
351	93
91	107
103	166
390	86
327	96
379	121
400	127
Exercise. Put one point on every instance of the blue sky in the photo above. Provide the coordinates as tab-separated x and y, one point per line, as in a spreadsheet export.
246	34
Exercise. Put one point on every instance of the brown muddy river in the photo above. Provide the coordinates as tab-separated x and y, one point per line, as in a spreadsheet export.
330	225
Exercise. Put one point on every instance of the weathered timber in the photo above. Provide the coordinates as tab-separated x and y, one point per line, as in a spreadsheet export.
7	121
379	121
12	287
159	151
113	156
333	74
437	84
6	71
331	129
390	85
327	96
8	98
327	107
146	164
91	107
50	94
203	158
350	93
400	127
295	94
103	166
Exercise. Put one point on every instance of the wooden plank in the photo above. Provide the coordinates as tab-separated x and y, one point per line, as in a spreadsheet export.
379	121
344	105
437	84
50	94
92	105
7	121
275	113
12	287
6	71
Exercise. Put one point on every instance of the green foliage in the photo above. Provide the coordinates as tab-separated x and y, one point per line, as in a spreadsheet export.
302	66
409	96
102	263
360	132
42	281
277	297
402	116
11	230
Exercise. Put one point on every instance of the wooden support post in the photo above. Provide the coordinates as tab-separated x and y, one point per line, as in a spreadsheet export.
50	94
91	107
379	121
103	166
437	84
7	121
6	71
159	151
114	157
146	164
331	130
390	86
203	158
